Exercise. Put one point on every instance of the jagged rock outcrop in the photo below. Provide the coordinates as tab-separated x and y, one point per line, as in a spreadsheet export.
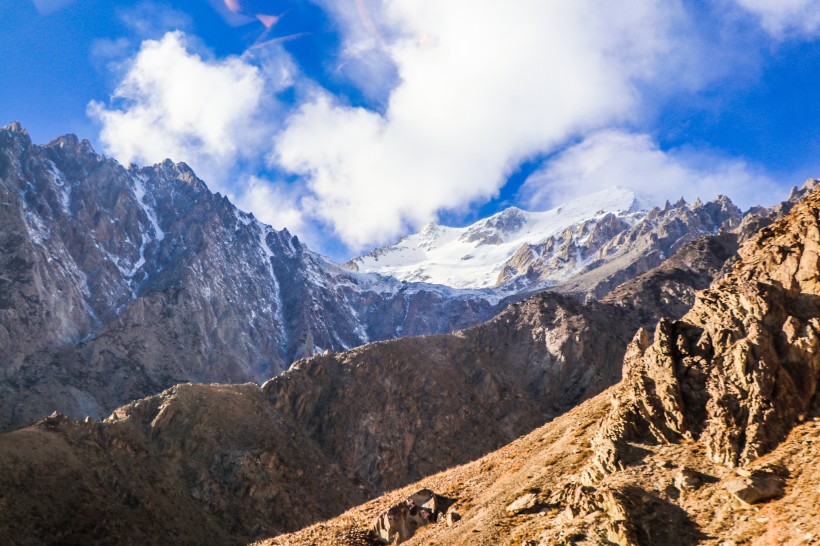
646	245
741	368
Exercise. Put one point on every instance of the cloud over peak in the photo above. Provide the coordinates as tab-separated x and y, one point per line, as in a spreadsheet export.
482	85
616	158
429	106
174	103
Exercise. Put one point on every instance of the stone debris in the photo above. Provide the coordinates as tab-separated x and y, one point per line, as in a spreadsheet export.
687	480
523	504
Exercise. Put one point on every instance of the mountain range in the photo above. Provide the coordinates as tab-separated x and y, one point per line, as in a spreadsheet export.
662	391
120	282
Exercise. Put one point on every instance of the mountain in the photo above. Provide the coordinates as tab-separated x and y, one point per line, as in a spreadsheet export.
585	247
412	406
118	283
471	257
711	437
226	464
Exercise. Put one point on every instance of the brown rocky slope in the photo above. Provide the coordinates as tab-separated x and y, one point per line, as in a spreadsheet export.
231	463
195	465
226	464
711	438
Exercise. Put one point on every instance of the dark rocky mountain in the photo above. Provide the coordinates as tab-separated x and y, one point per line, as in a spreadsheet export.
117	283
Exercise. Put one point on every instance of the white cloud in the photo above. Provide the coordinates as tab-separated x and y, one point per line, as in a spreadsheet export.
784	18
483	85
274	204
363	58
613	158
177	104
47	7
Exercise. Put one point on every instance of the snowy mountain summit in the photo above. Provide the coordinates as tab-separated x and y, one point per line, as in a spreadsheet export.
478	256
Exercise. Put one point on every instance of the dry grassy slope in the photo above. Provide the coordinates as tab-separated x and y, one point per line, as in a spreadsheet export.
554	455
195	465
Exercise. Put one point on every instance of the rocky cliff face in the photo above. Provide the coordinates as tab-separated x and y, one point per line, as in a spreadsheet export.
741	368
117	283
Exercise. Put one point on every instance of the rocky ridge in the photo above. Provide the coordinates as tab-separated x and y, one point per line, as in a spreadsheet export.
584	248
711	437
118	283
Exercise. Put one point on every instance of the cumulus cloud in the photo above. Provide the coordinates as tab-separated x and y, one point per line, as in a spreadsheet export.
614	158
482	85
175	103
784	18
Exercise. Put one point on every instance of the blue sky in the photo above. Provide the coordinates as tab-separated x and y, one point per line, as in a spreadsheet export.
354	122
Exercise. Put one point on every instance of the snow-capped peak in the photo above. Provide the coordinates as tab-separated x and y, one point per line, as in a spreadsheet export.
472	256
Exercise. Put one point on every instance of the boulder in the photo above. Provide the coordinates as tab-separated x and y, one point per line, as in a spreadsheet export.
759	486
523	504
687	479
